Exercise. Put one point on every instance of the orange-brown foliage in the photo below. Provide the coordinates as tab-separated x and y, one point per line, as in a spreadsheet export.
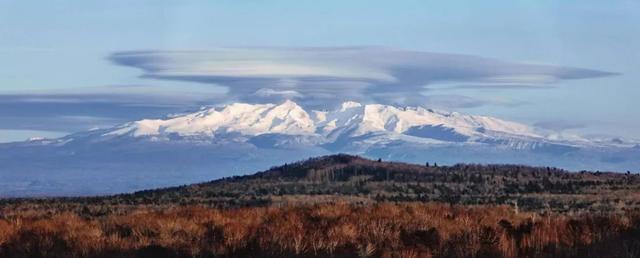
323	230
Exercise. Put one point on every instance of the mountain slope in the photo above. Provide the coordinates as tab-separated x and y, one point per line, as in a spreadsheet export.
239	138
290	119
287	118
355	179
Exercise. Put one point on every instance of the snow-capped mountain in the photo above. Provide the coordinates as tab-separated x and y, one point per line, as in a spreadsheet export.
241	138
351	119
287	118
350	123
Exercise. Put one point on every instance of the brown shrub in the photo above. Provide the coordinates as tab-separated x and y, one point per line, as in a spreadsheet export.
322	230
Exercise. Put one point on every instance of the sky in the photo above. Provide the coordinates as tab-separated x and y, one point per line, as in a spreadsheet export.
568	66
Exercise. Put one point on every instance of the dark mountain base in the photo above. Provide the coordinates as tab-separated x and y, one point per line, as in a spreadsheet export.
357	180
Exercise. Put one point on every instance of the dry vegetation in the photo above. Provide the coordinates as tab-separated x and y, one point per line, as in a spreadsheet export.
343	206
323	230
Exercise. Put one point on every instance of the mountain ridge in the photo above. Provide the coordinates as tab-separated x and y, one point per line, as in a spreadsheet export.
240	138
290	118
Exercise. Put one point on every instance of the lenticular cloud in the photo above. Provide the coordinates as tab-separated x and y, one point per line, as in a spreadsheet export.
327	75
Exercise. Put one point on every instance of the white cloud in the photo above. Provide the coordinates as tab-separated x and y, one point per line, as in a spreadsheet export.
265	92
322	76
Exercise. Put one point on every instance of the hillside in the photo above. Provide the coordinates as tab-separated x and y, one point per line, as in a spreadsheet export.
343	206
358	180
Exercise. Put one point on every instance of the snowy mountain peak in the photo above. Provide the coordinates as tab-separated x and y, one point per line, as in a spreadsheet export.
248	119
351	119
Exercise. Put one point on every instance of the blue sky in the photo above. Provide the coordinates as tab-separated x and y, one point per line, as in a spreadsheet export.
54	55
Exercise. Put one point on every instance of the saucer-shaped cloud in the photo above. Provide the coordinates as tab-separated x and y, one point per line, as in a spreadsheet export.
325	75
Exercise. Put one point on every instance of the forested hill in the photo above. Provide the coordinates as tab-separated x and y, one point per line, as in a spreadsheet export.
355	179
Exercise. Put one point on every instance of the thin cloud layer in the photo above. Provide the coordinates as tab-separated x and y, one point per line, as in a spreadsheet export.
81	111
559	125
322	76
